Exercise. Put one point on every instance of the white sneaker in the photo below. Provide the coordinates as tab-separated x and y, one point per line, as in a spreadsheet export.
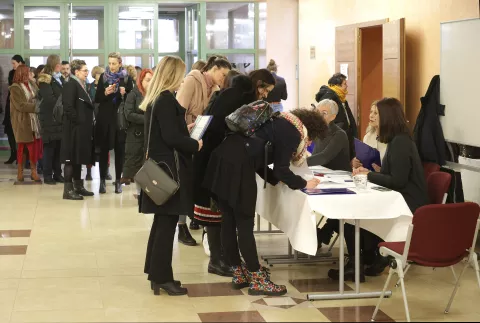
205	243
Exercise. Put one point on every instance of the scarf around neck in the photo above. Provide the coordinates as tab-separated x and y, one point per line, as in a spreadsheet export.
300	156
110	78
342	94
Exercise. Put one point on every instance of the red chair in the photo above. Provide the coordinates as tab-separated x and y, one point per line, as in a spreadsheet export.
432	226
429	168
437	187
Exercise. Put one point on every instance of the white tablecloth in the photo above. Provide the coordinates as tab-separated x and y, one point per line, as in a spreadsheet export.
384	213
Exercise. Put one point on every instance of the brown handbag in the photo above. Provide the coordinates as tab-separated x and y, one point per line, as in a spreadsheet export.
159	185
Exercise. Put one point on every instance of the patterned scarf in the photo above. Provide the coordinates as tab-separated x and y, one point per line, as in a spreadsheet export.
342	94
110	78
301	155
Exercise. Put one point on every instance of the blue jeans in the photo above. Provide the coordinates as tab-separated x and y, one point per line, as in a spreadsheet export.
277	107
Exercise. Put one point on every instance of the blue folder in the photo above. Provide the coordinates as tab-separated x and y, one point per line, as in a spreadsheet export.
327	191
367	155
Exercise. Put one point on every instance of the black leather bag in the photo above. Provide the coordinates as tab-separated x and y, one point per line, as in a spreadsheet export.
249	118
159	185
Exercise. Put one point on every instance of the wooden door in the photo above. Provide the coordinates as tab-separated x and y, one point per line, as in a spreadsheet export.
394	59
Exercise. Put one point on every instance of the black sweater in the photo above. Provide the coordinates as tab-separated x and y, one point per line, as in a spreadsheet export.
402	171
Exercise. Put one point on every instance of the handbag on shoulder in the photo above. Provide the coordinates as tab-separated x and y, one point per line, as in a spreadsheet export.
159	185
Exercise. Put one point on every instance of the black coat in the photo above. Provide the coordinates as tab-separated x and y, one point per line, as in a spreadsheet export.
343	117
7	122
402	171
106	123
428	131
279	92
226	102
49	89
230	174
169	132
134	152
77	139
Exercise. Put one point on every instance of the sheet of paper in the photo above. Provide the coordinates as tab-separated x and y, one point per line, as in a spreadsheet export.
303	171
201	125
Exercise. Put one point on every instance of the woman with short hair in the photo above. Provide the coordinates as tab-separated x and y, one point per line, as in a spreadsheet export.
77	139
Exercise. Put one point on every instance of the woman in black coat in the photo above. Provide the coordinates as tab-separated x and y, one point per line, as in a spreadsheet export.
168	134
7	123
112	89
134	150
50	89
401	171
230	176
77	139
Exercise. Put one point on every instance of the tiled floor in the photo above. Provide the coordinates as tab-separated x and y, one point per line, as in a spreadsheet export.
66	261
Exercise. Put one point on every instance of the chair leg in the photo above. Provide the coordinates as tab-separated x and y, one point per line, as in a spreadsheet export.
382	296
454	274
401	274
404	273
475	266
455	289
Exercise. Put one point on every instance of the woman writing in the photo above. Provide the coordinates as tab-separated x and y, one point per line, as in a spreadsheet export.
112	89
169	135
77	139
194	95
25	124
134	152
230	176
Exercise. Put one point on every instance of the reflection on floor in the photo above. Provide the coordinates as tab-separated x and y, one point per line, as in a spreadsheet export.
66	261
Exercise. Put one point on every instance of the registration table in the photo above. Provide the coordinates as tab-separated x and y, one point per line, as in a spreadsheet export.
384	213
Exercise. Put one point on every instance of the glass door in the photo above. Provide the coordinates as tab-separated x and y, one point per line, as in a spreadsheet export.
191	35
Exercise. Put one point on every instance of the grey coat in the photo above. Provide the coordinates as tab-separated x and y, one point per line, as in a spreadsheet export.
134	148
332	152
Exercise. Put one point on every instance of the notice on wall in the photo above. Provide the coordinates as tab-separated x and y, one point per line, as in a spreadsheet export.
312	52
344	69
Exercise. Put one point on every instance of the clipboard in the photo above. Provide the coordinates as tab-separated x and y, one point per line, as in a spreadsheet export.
201	125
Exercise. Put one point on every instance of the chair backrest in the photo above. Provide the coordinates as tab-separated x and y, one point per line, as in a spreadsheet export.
429	168
437	186
443	233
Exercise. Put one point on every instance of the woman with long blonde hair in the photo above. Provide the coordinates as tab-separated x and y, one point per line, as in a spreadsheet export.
169	135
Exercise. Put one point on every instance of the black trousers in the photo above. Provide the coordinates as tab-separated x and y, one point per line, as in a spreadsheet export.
158	262
51	159
368	244
119	148
12	143
72	172
235	221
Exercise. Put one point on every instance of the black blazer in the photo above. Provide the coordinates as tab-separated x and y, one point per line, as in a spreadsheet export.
77	136
402	171
50	90
169	132
279	92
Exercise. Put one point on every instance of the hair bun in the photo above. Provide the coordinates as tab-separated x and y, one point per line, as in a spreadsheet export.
272	62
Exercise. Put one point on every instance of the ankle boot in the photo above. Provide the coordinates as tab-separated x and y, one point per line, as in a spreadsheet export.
378	266
176	282
34	175
349	272
262	285
118	187
239	279
59	178
324	234
69	192
20	172
12	159
184	235
89	174
171	288
194	225
80	189
216	265
108	177
103	187
249	274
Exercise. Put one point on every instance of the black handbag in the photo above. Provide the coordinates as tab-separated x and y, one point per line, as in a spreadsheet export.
154	181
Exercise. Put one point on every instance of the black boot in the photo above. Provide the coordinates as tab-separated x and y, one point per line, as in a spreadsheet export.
324	235
103	187
194	225
59	178
12	159
184	235
176	282
69	192
171	288
49	180
349	272
89	175
118	187
80	189
378	266
216	265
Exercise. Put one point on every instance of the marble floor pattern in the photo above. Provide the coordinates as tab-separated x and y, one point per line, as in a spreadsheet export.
69	261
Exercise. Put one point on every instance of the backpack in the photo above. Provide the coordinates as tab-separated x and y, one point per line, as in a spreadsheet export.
249	118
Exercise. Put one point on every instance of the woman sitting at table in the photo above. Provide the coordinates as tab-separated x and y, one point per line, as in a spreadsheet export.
230	177
401	171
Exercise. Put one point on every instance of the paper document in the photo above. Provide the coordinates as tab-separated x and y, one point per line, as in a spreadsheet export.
201	125
302	171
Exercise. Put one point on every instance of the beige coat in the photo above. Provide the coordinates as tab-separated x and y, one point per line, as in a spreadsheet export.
20	109
193	95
